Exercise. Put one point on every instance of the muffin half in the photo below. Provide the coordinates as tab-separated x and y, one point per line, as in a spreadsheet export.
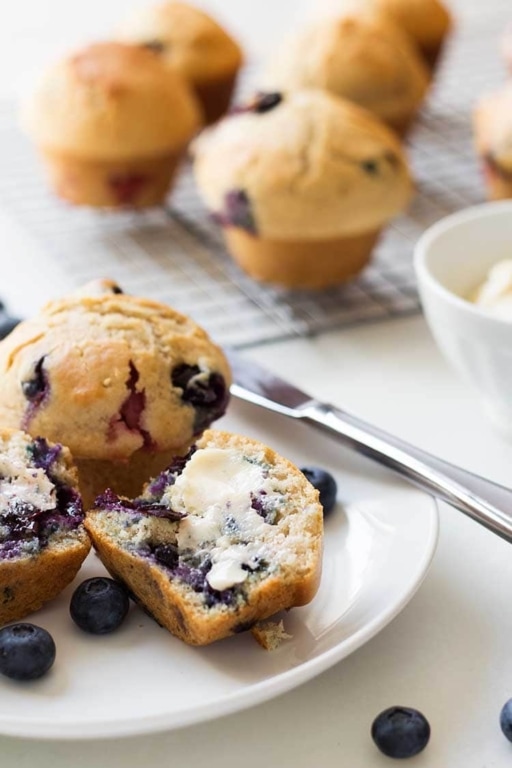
227	536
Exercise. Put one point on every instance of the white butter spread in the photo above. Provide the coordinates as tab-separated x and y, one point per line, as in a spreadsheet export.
215	491
227	570
495	293
24	484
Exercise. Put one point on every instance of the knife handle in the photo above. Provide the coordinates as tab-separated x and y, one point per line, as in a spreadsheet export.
480	499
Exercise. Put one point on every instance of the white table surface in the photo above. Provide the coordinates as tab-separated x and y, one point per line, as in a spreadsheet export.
448	652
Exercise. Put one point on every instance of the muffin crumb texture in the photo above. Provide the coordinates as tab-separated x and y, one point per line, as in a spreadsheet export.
226	536
270	634
42	538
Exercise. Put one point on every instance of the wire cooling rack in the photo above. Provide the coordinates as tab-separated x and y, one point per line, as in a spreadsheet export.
175	254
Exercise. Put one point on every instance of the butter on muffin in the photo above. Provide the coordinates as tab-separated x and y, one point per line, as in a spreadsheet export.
112	123
492	125
193	44
302	184
43	541
360	57
227	536
126	383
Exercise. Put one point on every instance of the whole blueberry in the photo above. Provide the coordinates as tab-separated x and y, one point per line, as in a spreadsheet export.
400	732
325	483
506	719
99	605
26	651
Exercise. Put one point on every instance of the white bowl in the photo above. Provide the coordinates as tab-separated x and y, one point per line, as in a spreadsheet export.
451	259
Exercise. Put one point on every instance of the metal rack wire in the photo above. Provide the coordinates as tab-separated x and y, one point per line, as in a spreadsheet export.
176	254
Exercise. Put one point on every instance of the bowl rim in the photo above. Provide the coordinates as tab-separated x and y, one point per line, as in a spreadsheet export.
431	234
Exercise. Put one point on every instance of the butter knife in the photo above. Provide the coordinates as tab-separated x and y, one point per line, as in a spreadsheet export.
486	502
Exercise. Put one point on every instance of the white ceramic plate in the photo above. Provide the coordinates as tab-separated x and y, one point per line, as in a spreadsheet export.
379	542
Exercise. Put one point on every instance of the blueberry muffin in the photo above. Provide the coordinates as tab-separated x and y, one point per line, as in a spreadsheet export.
126	383
302	185
42	538
112	123
223	538
493	141
193	44
360	57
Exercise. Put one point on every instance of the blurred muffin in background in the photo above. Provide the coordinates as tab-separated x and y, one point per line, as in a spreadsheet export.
427	22
111	123
506	47
363	58
302	184
493	141
193	44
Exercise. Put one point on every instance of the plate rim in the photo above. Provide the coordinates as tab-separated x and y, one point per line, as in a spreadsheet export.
251	695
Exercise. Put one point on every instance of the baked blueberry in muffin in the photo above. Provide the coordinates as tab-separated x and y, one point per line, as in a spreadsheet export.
224	537
42	538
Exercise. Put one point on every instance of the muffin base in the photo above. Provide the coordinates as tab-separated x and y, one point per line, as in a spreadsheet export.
137	183
124	478
312	264
215	97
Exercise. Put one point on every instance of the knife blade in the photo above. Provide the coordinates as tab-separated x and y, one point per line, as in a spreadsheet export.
488	503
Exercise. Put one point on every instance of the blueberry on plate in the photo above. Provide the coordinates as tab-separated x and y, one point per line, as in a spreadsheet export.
26	651
99	605
506	719
325	483
400	732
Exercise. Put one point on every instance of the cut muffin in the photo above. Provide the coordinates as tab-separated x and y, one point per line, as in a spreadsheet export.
364	58
492	125
225	537
126	383
193	44
302	184
42	538
112	124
